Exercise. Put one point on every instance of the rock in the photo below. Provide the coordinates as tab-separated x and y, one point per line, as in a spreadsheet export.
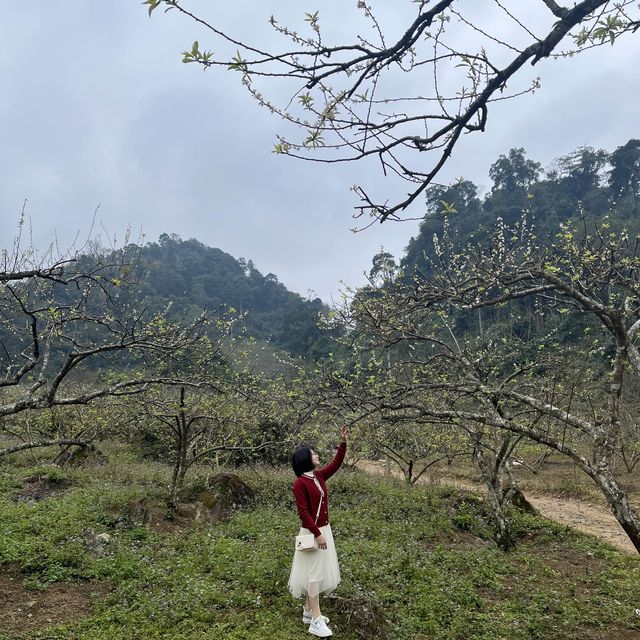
366	615
225	493
136	513
186	511
139	512
76	456
95	543
520	502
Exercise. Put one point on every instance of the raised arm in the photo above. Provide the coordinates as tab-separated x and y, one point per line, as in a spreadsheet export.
327	471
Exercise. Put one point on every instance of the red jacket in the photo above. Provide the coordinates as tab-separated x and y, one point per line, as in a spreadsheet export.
308	496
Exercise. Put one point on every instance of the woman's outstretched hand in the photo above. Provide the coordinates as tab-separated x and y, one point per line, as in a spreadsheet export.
344	434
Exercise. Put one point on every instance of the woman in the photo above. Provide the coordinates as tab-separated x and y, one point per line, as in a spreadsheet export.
315	571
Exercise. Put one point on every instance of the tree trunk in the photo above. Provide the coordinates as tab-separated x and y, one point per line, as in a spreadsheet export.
175	481
623	512
502	527
408	476
179	472
493	474
182	445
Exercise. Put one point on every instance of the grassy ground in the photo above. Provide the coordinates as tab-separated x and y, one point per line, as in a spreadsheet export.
416	565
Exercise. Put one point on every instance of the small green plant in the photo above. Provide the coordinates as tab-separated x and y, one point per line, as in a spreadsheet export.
55	475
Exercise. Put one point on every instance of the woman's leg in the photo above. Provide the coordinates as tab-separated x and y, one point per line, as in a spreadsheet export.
313	599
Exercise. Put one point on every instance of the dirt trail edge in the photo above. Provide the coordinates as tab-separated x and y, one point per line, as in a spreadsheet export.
579	514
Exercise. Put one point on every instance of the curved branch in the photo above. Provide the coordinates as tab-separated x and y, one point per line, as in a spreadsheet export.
43	443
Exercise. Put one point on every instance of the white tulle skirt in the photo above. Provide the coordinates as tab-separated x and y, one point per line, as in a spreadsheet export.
315	572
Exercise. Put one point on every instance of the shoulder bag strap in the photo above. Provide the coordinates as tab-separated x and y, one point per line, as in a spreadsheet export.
319	505
315	480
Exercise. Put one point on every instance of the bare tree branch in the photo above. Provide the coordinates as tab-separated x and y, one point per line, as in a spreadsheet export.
339	102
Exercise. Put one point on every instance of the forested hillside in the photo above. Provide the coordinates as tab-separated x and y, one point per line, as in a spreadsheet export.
192	277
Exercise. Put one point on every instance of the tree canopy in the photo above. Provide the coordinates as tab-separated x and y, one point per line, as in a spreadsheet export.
587	180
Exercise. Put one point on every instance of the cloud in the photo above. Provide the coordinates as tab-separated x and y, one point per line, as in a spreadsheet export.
97	109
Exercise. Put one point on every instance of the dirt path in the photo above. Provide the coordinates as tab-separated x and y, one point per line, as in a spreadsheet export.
579	514
585	517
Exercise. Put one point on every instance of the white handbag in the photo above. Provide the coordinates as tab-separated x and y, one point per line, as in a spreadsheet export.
307	541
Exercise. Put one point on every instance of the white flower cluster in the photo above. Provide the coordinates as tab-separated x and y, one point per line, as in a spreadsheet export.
436	245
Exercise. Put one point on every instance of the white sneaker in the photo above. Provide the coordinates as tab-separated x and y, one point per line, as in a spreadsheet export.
307	616
318	627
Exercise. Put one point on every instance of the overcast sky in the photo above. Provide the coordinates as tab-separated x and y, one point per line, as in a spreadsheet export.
98	110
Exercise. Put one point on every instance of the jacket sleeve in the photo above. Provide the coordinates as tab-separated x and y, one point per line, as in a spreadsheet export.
302	503
335	464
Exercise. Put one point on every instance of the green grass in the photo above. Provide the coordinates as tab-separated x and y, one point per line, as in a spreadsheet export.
421	561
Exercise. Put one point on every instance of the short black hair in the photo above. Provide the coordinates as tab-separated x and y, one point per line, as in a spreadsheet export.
301	460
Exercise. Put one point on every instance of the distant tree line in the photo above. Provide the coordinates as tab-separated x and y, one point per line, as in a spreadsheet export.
589	181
